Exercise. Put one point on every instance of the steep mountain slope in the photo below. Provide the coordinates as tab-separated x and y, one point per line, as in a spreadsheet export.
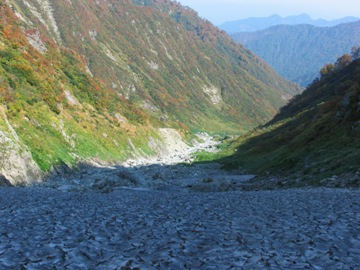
94	80
52	112
298	52
256	24
317	135
165	59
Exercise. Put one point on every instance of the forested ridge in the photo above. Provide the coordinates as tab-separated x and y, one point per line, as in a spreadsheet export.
297	52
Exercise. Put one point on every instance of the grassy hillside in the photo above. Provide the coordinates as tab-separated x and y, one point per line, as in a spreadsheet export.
164	59
94	80
56	109
298	52
317	135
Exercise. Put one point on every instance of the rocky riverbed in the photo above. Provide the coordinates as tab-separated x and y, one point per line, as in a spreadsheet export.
170	170
158	214
42	228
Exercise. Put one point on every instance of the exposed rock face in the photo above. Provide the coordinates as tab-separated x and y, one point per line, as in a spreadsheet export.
44	12
18	167
34	38
172	141
16	164
70	98
214	94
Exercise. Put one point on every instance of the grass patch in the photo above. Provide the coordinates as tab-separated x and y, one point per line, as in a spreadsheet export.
225	149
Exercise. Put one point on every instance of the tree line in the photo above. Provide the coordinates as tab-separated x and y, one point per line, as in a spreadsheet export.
341	62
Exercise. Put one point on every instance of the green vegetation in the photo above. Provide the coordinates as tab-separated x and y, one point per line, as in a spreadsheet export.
315	136
33	93
225	148
114	74
144	54
89	80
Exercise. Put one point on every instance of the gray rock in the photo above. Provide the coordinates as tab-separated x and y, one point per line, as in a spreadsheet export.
4	182
171	229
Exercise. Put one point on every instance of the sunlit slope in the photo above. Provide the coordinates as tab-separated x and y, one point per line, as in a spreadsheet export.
165	59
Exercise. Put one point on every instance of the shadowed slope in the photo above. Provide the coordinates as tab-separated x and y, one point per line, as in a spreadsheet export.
315	135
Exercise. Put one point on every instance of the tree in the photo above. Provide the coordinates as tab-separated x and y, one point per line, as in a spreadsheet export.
342	62
327	69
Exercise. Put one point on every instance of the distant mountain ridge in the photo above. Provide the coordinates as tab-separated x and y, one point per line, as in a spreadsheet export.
298	52
255	24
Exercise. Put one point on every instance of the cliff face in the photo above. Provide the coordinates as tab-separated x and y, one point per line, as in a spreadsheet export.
97	79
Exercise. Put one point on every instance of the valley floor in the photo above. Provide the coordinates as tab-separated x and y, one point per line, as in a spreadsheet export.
42	228
164	215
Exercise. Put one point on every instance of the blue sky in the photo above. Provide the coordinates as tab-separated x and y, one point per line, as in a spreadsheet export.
219	11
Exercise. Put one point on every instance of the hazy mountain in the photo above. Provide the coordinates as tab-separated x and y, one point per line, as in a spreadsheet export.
95	80
315	136
255	24
298	52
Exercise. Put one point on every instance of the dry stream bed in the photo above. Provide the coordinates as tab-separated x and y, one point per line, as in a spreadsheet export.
159	215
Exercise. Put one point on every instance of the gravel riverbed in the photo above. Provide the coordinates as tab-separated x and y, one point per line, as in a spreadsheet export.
158	214
43	228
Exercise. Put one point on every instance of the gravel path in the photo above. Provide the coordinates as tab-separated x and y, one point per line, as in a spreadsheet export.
43	228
